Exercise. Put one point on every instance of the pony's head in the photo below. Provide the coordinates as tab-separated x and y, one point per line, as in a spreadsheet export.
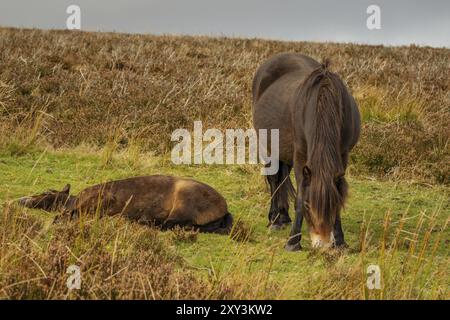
49	200
323	198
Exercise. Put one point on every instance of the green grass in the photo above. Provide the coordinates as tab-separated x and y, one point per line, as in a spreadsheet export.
219	257
375	107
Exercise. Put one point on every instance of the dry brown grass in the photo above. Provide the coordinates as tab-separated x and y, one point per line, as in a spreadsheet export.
118	260
116	89
122	260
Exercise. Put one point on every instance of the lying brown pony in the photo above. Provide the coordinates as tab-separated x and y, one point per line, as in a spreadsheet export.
160	200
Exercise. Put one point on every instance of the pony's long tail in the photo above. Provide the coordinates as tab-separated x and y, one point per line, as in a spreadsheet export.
220	226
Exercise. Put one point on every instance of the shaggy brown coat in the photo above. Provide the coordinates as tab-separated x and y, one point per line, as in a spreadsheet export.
161	200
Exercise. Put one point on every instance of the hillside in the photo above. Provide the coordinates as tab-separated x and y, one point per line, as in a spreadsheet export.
97	88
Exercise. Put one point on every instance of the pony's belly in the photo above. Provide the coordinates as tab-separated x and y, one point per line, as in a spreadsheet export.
147	214
144	207
274	110
272	119
286	149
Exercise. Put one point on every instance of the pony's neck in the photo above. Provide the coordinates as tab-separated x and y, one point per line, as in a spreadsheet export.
69	203
325	152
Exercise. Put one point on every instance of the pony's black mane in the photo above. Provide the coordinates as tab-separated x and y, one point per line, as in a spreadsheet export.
322	92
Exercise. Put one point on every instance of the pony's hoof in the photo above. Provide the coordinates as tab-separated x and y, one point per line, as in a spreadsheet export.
341	246
293	247
275	227
285	225
279	226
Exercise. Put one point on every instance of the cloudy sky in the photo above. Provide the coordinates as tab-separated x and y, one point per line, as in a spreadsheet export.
402	21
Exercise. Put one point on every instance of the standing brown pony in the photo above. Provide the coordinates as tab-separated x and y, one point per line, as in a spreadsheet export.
319	124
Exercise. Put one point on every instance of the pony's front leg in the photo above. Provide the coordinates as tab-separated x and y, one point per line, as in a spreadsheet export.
293	243
339	241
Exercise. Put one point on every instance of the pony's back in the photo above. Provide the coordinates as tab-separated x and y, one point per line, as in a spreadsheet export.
276	67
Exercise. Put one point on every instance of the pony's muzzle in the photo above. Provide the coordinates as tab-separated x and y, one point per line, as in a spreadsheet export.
319	241
24	201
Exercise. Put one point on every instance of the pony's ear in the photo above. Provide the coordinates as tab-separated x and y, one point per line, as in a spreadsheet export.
306	174
66	189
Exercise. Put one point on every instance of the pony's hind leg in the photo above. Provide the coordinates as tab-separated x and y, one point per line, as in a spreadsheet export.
280	187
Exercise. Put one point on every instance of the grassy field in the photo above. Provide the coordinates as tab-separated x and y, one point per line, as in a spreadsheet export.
83	108
399	226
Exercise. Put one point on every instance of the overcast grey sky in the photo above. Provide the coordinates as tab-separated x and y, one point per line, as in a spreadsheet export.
402	21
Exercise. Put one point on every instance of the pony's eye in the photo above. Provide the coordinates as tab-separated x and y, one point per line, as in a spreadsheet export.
306	204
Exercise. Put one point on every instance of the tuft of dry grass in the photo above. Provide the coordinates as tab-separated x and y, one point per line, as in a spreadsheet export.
117	260
241	231
183	235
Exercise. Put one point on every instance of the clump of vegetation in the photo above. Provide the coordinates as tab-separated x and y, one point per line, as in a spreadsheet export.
241	231
116	260
184	235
